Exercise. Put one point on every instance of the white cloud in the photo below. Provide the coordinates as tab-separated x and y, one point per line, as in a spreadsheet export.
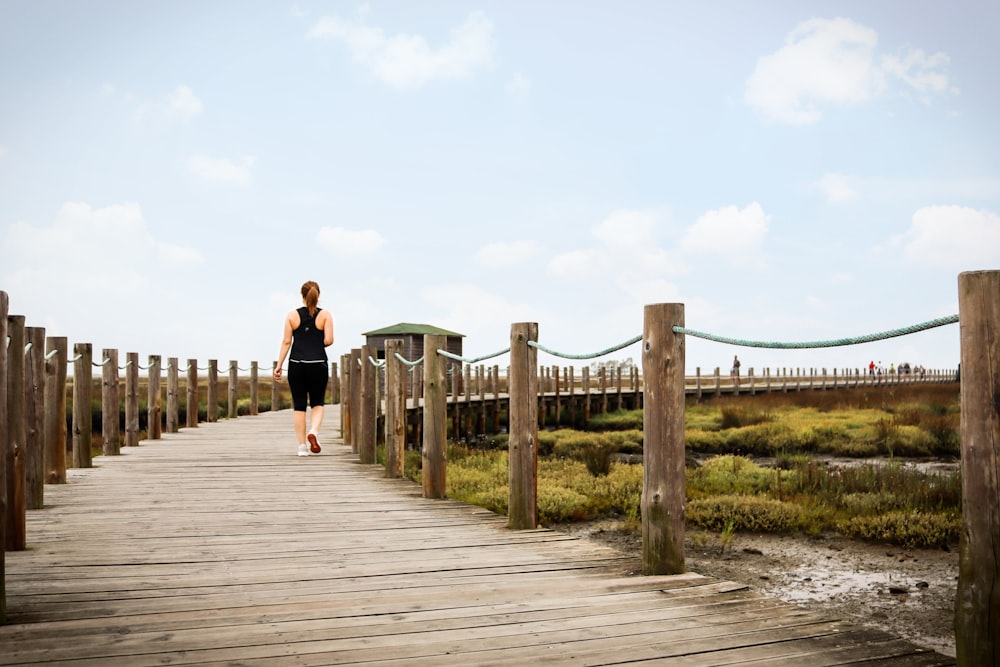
572	265
350	243
836	188
518	87
626	244
183	104
953	236
833	62
923	73
84	256
178	256
221	170
503	254
406	61
733	233
484	317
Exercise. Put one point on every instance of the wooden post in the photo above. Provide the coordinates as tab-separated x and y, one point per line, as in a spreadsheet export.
191	408
496	398
275	389
56	362
34	418
254	389
395	409
366	441
355	398
173	395
586	394
212	398
663	484
83	390
154	399
977	602
234	382
4	307
523	440
131	399
110	406
434	454
604	389
345	404
16	511
334	384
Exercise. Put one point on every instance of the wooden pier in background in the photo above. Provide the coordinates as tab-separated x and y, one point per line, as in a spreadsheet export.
216	545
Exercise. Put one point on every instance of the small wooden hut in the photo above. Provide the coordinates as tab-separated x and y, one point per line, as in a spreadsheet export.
412	336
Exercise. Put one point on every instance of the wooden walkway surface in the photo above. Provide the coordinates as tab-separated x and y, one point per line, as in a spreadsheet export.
218	546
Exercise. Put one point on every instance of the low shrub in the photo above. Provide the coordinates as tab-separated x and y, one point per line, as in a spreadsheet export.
729	475
747	513
618	420
906	528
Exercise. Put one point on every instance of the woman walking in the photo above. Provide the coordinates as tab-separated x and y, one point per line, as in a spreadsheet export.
308	332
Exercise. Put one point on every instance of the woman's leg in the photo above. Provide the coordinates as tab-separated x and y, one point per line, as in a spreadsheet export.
315	418
299	422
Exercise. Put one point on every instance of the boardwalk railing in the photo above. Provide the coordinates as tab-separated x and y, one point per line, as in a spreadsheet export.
977	618
663	391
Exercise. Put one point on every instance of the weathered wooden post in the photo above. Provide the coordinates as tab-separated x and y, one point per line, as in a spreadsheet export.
434	454
366	437
603	385
83	390
254	389
34	418
110	410
16	511
275	389
345	405
56	362
334	383
234	382
523	441
586	394
173	395
977	602
4	306
212	397
355	398
131	399
154	399
191	408
497	404
395	409
663	484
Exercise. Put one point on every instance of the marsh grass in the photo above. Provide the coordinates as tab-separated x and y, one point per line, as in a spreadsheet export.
890	501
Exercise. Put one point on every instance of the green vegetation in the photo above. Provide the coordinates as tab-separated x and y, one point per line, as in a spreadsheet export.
583	476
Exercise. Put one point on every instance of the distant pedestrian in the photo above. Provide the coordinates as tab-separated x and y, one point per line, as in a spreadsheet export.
735	372
308	331
871	368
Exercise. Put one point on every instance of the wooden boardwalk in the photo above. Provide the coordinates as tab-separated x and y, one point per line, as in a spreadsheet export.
218	546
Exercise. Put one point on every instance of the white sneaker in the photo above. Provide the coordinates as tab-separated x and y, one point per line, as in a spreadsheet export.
313	443
303	450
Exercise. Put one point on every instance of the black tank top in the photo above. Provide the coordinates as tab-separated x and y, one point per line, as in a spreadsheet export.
307	339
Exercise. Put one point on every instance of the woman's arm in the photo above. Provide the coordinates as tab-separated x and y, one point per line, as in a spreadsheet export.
286	344
327	328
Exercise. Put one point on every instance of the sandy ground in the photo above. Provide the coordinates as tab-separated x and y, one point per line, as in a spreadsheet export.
909	593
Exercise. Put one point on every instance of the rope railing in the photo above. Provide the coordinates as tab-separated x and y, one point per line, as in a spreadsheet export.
591	355
836	342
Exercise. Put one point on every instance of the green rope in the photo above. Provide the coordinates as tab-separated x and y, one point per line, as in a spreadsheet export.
857	340
615	348
456	357
409	363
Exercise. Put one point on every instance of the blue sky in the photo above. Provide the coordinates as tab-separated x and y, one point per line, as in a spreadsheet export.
170	173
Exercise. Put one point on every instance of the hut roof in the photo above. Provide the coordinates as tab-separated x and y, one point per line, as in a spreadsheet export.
404	328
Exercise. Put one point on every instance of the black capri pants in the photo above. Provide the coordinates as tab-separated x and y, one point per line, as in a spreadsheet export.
308	381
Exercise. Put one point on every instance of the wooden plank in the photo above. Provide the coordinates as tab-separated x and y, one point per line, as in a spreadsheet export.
231	549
